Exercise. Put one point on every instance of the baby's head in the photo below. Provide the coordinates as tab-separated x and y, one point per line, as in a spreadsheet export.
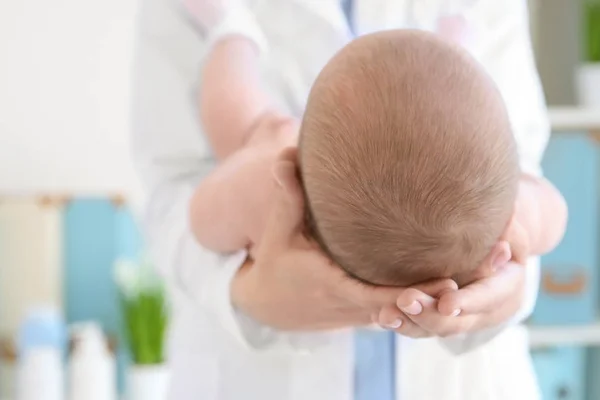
408	160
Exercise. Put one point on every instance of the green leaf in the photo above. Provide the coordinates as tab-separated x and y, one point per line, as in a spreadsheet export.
145	320
591	18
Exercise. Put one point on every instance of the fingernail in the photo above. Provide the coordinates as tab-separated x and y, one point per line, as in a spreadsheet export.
395	325
456	312
414	309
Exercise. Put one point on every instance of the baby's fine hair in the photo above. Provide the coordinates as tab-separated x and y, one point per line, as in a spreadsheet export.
407	158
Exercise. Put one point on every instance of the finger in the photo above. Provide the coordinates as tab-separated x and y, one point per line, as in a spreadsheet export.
413	301
423	312
377	297
412	330
390	317
287	216
437	287
363	294
399	323
439	325
486	294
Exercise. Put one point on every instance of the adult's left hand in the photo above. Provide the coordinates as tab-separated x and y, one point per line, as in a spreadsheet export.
485	303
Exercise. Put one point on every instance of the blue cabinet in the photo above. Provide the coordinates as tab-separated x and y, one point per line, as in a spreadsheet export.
90	239
129	240
97	232
568	289
561	372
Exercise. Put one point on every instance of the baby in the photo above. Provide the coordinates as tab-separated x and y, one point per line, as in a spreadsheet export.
407	159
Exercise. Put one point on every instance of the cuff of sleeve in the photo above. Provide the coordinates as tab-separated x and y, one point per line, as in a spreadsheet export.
239	21
215	298
534	170
212	291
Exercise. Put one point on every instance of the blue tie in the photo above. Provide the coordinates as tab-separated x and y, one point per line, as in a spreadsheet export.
348	7
374	351
375	365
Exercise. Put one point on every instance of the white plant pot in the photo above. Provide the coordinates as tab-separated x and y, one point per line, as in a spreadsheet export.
588	85
147	382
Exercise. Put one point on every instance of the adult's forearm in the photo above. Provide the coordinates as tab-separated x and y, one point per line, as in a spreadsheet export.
542	211
227	206
232	97
217	209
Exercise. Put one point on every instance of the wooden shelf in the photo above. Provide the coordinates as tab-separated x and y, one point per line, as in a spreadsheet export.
7	351
574	119
576	335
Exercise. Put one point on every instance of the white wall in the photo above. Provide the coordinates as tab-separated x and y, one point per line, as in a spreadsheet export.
64	89
64	94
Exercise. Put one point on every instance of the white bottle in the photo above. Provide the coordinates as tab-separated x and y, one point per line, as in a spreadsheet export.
40	375
40	348
92	370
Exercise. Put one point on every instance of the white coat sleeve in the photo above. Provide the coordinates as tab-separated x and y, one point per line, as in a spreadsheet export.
503	45
219	19
171	156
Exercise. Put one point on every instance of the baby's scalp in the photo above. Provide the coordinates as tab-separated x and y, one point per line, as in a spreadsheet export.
407	157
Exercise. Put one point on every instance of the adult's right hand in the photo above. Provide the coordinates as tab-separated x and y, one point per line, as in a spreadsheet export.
291	285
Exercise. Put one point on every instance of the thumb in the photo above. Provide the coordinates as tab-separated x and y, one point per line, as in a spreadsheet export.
287	215
437	287
485	294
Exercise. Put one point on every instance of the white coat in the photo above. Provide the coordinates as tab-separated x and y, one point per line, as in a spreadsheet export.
218	354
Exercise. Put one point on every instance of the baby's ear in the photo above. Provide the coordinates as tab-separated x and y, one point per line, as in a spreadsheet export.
285	169
500	255
518	240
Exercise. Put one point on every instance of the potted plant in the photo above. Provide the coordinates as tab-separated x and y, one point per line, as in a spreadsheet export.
145	321
588	75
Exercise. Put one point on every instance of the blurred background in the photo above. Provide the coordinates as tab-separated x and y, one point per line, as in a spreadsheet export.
69	197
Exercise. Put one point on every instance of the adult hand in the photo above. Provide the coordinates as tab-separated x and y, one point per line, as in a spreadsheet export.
292	285
485	303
